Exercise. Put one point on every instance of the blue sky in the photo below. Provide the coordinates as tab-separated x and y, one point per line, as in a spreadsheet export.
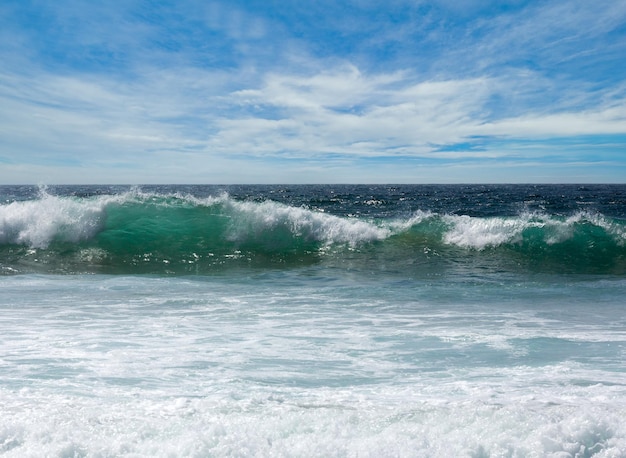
362	91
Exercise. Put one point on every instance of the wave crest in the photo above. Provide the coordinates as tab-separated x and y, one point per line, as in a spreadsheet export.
39	222
254	220
133	229
481	233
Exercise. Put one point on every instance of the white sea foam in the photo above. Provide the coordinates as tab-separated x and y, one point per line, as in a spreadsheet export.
335	423
251	218
480	233
38	222
136	366
418	217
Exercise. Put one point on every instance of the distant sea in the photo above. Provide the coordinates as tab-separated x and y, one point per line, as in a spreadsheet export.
321	320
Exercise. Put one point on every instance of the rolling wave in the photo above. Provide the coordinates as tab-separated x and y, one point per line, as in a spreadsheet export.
147	232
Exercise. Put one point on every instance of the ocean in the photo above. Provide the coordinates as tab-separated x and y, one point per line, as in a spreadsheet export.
313	321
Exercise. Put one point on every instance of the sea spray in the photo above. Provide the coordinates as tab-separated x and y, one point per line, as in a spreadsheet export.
38	223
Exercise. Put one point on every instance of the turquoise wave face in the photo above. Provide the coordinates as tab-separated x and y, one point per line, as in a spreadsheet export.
137	232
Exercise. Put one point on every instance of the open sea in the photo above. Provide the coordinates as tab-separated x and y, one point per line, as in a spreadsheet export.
313	321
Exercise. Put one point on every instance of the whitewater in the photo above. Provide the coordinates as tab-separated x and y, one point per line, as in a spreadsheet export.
335	321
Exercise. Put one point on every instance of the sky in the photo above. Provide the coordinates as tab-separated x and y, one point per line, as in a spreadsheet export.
320	91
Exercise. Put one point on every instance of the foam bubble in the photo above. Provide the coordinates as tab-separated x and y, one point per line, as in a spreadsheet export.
480	233
250	218
37	223
140	366
332	423
398	226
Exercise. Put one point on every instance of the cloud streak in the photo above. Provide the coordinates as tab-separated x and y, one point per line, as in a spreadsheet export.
232	93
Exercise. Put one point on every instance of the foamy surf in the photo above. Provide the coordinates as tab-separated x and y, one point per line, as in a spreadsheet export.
331	321
37	223
235	366
480	233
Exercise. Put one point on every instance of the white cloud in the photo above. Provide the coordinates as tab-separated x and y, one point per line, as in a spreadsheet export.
170	118
602	121
170	110
345	111
84	116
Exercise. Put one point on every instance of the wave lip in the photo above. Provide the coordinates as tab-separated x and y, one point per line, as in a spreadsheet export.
252	219
481	233
39	222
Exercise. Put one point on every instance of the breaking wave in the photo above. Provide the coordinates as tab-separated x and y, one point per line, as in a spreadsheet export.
148	232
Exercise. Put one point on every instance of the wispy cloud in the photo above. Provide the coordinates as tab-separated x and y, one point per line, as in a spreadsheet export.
347	112
225	90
